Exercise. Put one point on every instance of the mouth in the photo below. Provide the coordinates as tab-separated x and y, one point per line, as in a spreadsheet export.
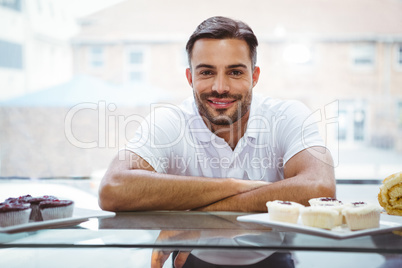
221	103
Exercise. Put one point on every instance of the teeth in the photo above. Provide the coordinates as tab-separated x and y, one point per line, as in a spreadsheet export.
220	102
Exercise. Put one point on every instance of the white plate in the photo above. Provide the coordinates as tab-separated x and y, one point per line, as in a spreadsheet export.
387	223
79	215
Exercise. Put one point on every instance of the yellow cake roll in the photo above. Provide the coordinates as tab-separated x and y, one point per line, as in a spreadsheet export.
390	195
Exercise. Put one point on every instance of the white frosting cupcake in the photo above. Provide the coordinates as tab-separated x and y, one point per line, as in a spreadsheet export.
321	216
330	203
360	215
324	201
285	211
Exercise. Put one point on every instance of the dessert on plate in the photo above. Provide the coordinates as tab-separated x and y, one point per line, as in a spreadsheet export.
321	216
284	211
56	209
390	195
361	215
14	213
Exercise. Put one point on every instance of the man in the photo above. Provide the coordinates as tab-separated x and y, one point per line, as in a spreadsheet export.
225	149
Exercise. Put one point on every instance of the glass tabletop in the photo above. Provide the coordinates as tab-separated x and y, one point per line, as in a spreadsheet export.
192	230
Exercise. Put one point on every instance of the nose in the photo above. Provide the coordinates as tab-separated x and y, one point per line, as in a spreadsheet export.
221	84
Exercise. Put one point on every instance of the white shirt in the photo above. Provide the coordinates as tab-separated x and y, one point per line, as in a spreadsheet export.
175	140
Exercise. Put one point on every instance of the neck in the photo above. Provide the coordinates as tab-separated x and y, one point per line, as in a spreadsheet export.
231	133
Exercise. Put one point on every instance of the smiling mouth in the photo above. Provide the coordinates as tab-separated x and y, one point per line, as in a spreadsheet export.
220	104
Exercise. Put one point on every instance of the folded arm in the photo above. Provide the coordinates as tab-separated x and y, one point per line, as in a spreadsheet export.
132	185
308	174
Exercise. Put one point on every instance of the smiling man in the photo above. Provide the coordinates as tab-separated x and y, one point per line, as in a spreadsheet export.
225	148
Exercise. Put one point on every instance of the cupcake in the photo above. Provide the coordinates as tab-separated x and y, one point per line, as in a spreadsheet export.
14	214
21	199
330	203
35	201
321	216
56	209
324	201
360	215
284	211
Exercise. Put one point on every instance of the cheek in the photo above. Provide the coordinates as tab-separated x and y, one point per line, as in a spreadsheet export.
201	85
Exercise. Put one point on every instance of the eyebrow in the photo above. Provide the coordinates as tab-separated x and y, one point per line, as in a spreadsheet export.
240	65
233	66
202	65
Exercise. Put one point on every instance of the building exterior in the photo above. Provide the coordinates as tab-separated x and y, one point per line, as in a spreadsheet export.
35	50
11	49
346	53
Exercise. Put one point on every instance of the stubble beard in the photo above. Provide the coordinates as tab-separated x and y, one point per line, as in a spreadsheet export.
223	119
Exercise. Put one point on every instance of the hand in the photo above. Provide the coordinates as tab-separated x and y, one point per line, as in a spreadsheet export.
159	256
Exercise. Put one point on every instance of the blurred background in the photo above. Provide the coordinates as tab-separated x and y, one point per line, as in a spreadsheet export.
78	76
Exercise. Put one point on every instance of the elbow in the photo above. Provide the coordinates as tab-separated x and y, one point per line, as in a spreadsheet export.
109	198
326	189
113	194
106	199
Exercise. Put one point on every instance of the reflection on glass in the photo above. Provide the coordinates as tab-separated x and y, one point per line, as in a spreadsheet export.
222	257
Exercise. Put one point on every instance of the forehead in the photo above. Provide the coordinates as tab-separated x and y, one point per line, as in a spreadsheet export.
220	51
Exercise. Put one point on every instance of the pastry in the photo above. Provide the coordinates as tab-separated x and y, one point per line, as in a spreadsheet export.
14	213
34	201
390	195
56	209
324	201
321	216
330	203
360	215
284	211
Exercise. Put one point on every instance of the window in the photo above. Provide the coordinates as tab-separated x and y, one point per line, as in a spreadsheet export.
359	123
399	55
352	121
399	114
10	55
298	54
363	55
136	66
12	4
96	57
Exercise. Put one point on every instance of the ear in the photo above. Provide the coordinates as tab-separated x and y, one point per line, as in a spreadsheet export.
256	75
189	77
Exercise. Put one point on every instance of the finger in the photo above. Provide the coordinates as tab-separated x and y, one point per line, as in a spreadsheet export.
181	259
159	258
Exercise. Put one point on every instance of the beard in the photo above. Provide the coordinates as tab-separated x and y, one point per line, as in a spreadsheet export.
224	117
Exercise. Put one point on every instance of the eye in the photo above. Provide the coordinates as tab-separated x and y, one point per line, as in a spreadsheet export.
236	72
206	72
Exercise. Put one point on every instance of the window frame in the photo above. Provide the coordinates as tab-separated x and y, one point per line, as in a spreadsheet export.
398	56
98	57
357	52
141	68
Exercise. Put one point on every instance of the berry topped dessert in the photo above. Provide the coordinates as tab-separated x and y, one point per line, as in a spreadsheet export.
14	213
56	209
21	199
34	201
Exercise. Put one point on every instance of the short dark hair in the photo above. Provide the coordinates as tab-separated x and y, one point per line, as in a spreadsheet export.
224	28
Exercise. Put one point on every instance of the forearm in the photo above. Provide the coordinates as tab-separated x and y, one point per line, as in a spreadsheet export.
298	189
134	190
